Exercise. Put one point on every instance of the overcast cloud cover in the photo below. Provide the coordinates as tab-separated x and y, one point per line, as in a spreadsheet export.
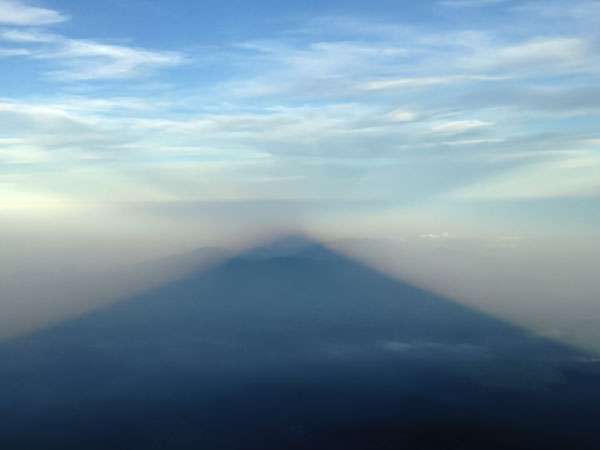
472	124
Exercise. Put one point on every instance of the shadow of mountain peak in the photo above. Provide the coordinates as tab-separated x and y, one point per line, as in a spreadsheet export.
291	336
283	246
298	290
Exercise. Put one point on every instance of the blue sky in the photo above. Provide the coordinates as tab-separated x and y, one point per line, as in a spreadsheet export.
471	106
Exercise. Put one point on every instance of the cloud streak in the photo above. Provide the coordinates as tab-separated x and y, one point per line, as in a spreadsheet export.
14	12
83	59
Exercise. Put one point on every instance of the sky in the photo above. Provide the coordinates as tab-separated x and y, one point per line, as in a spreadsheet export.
471	122
399	103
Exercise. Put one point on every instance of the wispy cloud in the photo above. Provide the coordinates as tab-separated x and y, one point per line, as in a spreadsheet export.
569	176
14	52
15	12
83	59
537	56
394	113
470	3
459	126
28	36
403	83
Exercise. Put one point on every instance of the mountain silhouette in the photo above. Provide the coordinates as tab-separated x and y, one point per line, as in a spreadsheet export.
292	345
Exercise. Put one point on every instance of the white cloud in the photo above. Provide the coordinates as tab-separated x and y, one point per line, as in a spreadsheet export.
559	14
14	12
322	69
563	50
538	56
577	176
469	3
14	52
28	36
401	115
19	151
459	126
387	118
399	83
463	142
87	59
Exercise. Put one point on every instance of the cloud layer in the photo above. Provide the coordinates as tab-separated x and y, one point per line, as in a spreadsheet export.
340	107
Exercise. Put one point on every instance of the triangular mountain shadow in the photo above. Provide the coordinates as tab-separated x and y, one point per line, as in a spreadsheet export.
293	346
